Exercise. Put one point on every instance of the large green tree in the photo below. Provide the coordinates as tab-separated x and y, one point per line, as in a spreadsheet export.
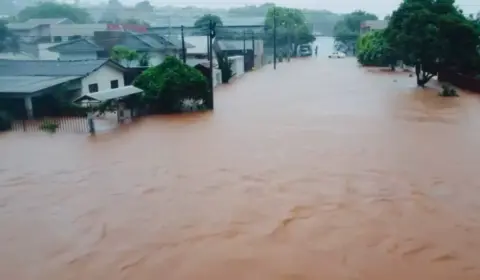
433	34
167	85
204	21
7	39
347	30
374	50
55	10
291	27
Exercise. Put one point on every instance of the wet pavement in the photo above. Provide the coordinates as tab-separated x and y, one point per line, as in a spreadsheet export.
319	170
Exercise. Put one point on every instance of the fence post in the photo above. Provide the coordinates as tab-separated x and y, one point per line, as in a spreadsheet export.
91	124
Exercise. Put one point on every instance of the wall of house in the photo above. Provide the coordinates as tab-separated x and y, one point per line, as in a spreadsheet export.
45	54
102	77
259	54
238	65
69	30
78	56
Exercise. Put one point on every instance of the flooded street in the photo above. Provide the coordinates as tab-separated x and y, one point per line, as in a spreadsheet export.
319	170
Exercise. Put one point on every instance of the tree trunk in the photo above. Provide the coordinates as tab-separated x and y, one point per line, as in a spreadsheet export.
422	77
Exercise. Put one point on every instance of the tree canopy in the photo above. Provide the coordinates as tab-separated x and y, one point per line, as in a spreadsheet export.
322	20
144	6
167	85
347	30
110	14
7	39
204	21
123	54
374	50
251	10
291	27
433	34
55	10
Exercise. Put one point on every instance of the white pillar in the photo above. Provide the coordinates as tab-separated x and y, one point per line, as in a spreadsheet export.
29	107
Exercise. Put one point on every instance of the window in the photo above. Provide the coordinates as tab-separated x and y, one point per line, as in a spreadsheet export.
93	88
114	84
57	39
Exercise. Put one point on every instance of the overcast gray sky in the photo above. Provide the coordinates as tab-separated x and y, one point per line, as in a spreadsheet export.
379	7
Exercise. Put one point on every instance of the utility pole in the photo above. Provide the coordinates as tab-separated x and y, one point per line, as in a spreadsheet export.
253	47
211	35
184	50
274	38
244	42
289	41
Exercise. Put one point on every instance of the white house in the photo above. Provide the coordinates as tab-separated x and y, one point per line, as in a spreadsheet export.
25	79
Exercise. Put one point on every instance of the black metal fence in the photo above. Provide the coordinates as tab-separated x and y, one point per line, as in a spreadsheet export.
57	124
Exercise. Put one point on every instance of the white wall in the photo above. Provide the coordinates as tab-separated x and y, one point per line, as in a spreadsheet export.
45	54
66	30
102	77
217	77
238	65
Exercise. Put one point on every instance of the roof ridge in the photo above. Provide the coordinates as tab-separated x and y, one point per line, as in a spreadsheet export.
143	41
73	42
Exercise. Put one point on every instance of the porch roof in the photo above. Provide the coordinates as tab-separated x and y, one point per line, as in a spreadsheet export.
110	94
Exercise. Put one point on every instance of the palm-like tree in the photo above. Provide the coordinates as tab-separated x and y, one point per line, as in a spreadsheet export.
7	39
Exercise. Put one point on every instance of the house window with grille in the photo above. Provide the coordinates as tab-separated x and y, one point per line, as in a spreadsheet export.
114	84
93	88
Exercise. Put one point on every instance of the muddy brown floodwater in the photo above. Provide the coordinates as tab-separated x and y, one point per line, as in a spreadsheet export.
319	170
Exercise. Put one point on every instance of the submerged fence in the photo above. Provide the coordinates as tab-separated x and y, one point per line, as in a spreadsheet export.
58	124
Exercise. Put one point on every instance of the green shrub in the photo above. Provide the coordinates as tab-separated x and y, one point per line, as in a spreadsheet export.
49	126
225	66
373	50
168	84
448	91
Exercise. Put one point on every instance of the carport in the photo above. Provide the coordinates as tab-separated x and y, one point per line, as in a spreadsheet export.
118	95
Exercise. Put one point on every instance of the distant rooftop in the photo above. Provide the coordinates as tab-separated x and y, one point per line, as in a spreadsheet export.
34	22
375	24
106	40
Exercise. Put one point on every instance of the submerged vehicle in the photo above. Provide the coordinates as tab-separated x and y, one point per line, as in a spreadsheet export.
337	55
305	50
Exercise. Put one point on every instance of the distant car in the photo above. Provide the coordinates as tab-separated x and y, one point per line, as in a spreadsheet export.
337	55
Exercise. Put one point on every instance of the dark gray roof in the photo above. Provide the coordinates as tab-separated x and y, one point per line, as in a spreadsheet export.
79	45
20	86
52	68
105	40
